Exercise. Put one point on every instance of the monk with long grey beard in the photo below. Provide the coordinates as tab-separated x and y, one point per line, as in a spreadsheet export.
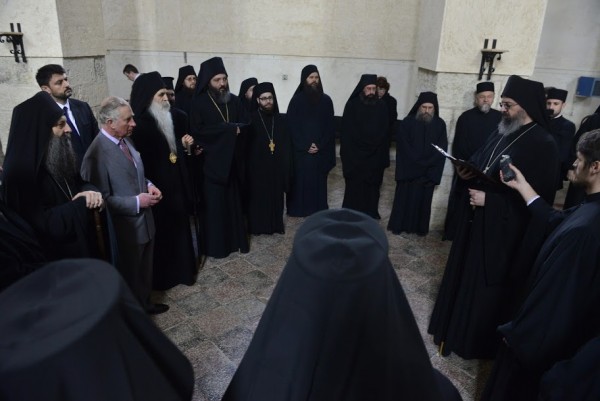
42	184
161	141
492	253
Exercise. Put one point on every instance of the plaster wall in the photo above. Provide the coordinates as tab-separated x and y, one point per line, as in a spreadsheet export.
516	24
81	28
383	29
431	21
570	48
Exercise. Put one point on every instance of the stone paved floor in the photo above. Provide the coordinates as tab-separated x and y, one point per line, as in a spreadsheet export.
213	321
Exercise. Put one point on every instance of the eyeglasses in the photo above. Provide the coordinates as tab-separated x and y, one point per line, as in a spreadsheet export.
507	106
265	98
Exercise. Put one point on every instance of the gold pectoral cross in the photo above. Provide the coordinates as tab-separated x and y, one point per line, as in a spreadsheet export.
272	146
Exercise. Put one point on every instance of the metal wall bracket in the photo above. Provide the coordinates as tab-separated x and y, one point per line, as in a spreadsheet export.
16	38
487	59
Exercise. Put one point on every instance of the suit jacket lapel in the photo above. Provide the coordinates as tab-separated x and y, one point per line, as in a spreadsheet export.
138	164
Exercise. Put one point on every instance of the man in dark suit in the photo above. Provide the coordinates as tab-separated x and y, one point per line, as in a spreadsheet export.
115	167
52	78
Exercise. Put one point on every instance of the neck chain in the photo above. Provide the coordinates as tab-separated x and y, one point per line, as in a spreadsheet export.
219	109
493	159
68	192
269	135
68	188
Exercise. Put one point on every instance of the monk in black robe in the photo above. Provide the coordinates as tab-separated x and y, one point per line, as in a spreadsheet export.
491	254
473	128
576	194
157	136
561	129
338	326
42	184
383	92
218	123
364	147
20	251
268	163
574	379
560	313
419	165
246	91
312	129
185	87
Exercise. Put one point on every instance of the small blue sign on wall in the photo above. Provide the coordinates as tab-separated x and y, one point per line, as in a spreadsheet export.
588	86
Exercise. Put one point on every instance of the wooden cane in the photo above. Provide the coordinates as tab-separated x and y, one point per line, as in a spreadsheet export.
100	235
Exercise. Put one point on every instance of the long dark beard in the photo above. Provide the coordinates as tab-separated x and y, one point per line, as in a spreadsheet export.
268	112
220	97
314	93
61	161
368	99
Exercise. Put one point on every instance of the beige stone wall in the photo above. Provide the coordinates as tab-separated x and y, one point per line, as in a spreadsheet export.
81	28
570	48
452	33
383	29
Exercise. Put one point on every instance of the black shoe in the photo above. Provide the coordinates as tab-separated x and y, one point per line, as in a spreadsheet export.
157	309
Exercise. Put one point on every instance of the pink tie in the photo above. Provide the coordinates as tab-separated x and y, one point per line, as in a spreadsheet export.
125	150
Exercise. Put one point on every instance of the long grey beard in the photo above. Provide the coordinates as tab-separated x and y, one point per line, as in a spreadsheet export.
509	125
164	120
424	117
61	161
485	108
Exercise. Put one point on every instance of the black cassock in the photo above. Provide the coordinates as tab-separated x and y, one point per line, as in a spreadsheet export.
338	325
419	169
576	194
63	226
560	313
214	128
183	100
473	128
174	259
364	152
20	251
268	173
575	379
491	254
563	132
310	122
72	330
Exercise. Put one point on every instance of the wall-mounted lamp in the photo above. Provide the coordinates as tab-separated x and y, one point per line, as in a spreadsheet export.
16	38
487	57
